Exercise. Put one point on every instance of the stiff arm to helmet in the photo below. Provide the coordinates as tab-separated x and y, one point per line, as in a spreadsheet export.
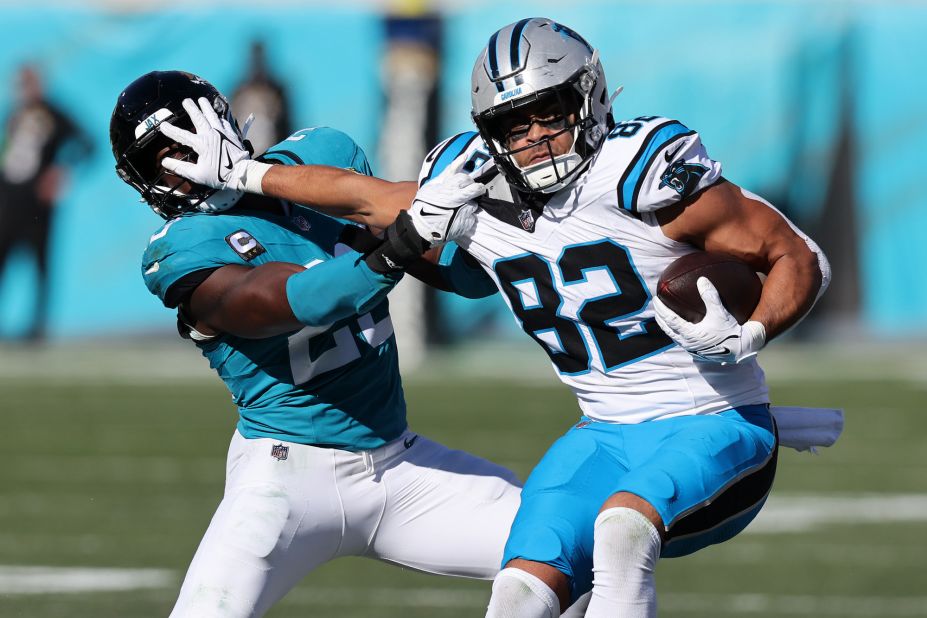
138	146
441	210
223	162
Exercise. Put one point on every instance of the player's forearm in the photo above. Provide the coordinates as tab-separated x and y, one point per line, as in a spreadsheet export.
463	274
336	289
789	292
338	192
278	297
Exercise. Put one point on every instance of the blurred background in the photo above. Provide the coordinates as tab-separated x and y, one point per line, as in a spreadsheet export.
115	430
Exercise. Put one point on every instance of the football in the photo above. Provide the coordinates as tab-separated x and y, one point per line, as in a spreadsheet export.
737	284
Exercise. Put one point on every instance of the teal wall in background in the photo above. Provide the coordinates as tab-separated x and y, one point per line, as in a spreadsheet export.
764	84
327	57
761	81
891	122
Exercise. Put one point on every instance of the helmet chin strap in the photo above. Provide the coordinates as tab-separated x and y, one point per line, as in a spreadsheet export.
220	201
539	176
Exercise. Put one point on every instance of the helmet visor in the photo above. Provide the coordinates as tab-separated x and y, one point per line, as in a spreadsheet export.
554	111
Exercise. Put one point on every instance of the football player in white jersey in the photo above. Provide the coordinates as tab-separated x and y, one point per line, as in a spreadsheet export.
676	448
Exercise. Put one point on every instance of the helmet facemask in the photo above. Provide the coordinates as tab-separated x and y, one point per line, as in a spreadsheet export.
570	102
140	147
538	61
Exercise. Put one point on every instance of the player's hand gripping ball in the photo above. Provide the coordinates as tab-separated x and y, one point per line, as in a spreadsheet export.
703	303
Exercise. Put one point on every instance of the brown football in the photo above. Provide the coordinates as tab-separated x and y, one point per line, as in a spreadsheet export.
737	284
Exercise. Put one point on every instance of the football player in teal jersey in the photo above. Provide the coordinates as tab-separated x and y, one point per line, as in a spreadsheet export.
294	319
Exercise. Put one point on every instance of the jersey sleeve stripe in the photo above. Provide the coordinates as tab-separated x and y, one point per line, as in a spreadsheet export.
447	254
451	151
633	177
654	155
276	155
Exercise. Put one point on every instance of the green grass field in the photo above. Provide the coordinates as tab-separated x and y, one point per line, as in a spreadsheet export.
121	475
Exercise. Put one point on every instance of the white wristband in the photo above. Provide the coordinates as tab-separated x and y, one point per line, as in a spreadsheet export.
252	176
754	336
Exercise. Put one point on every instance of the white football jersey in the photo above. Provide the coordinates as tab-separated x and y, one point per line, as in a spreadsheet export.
580	274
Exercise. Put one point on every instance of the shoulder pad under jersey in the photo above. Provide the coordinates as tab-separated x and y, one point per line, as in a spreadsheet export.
653	162
467	144
194	242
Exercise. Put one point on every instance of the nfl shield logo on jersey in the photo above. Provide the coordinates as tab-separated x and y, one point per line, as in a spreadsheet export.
526	218
302	223
279	451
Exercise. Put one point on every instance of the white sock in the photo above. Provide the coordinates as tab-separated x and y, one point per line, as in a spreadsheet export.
517	594
625	553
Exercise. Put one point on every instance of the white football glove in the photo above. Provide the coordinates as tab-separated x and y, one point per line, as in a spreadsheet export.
222	160
718	338
444	208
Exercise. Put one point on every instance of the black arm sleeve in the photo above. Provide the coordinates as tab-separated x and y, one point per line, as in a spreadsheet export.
183	288
401	247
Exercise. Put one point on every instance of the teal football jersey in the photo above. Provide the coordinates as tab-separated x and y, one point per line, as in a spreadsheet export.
336	384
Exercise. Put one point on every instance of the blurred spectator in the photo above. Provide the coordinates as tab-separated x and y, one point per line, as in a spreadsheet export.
35	149
264	96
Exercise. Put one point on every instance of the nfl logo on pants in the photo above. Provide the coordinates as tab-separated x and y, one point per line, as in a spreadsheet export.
279	451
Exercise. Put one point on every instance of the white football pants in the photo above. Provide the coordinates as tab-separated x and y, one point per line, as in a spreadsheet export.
289	508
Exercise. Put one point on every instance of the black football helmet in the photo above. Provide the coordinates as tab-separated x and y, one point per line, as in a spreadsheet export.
139	147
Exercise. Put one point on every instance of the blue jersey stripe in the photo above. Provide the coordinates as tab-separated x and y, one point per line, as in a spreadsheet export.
654	143
447	254
451	151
